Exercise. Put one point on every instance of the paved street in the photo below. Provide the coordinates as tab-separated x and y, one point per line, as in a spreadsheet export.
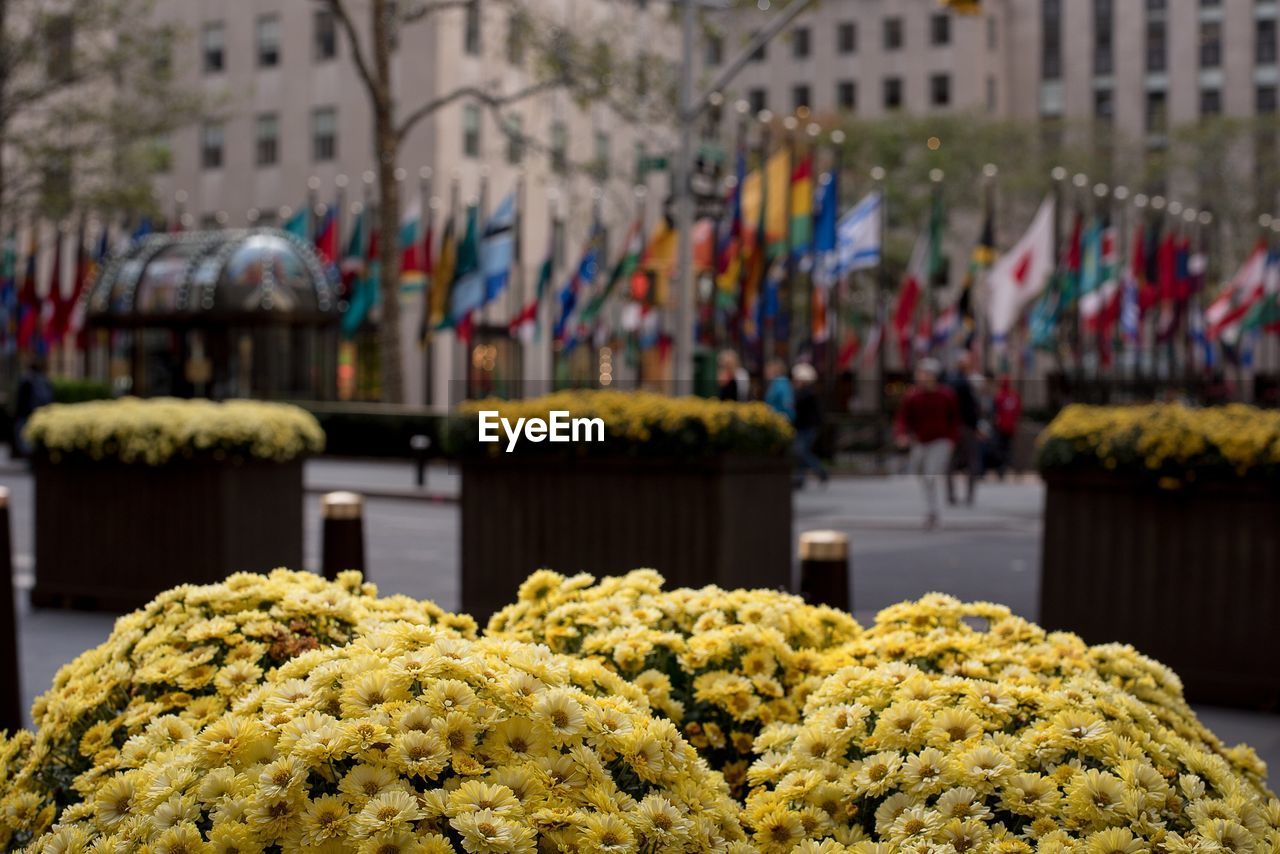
990	551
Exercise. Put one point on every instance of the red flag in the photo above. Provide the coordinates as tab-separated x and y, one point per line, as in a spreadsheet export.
326	241
908	296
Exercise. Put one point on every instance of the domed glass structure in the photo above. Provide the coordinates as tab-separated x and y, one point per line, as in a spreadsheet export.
247	313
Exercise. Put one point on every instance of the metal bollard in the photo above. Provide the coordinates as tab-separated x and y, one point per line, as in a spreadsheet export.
824	569
10	690
342	543
420	444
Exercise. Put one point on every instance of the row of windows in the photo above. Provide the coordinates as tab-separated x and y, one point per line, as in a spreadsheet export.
324	141
266	139
846	37
1266	98
213	42
1156	45
892	94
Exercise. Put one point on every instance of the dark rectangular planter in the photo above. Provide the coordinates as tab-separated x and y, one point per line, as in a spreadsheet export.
724	520
110	536
1190	577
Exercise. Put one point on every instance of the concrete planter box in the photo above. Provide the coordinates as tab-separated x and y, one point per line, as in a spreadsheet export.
110	536
1190	577
723	520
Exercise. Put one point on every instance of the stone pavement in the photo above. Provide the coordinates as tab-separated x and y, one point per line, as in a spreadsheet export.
990	551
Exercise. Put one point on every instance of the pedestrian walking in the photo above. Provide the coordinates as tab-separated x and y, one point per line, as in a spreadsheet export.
928	422
1008	412
779	394
731	378
34	391
808	424
967	457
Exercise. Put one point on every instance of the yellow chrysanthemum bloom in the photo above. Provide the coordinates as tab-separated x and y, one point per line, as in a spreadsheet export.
567	784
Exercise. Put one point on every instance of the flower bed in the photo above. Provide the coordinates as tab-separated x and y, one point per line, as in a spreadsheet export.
945	727
699	488
1163	515
208	487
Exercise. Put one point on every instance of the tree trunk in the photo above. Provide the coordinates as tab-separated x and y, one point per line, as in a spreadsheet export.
386	144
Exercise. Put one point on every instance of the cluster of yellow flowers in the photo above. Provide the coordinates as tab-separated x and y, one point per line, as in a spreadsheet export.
719	663
1165	440
411	739
895	758
158	430
189	654
636	423
287	713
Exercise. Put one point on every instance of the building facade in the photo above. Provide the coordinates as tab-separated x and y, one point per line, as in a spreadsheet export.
290	125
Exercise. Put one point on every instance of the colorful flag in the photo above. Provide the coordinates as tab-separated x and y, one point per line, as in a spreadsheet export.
466	292
858	236
413	270
584	275
1099	286
764	202
909	293
1019	276
525	324
55	306
826	233
366	288
622	272
802	206
299	225
1237	297
9	295
498	247
443	278
326	241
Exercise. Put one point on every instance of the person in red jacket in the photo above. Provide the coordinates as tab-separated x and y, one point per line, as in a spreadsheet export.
928	422
1008	411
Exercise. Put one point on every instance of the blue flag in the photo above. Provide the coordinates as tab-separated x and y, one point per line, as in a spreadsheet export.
497	247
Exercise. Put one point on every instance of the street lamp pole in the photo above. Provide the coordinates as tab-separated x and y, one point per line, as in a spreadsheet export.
691	106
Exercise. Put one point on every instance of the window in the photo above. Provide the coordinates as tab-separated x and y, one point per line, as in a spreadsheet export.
1103	48
559	147
800	43
324	134
940	90
515	139
758	99
892	33
59	38
713	50
993	33
892	93
992	102
600	162
800	97
1266	42
761	53
1205	4
847	95
1155	5
211	139
1050	39
846	37
1156	53
212	50
1210	44
267	140
471	130
517	32
1265	100
268	41
940	29
1210	102
1156	112
471	29
1103	105
324	38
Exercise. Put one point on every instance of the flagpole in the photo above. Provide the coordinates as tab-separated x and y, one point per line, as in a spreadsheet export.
833	303
764	330
515	289
786	300
879	176
427	214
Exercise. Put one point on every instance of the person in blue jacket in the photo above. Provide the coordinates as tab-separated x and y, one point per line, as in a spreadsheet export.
779	394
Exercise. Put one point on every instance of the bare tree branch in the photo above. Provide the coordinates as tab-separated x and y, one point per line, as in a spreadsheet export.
420	11
340	11
485	97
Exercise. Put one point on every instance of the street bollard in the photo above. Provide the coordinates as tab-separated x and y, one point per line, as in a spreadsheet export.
420	444
824	569
10	691
342	543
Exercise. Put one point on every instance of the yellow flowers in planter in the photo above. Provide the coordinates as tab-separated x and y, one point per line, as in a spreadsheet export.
635	424
719	663
186	657
411	739
159	430
288	714
924	761
1168	442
